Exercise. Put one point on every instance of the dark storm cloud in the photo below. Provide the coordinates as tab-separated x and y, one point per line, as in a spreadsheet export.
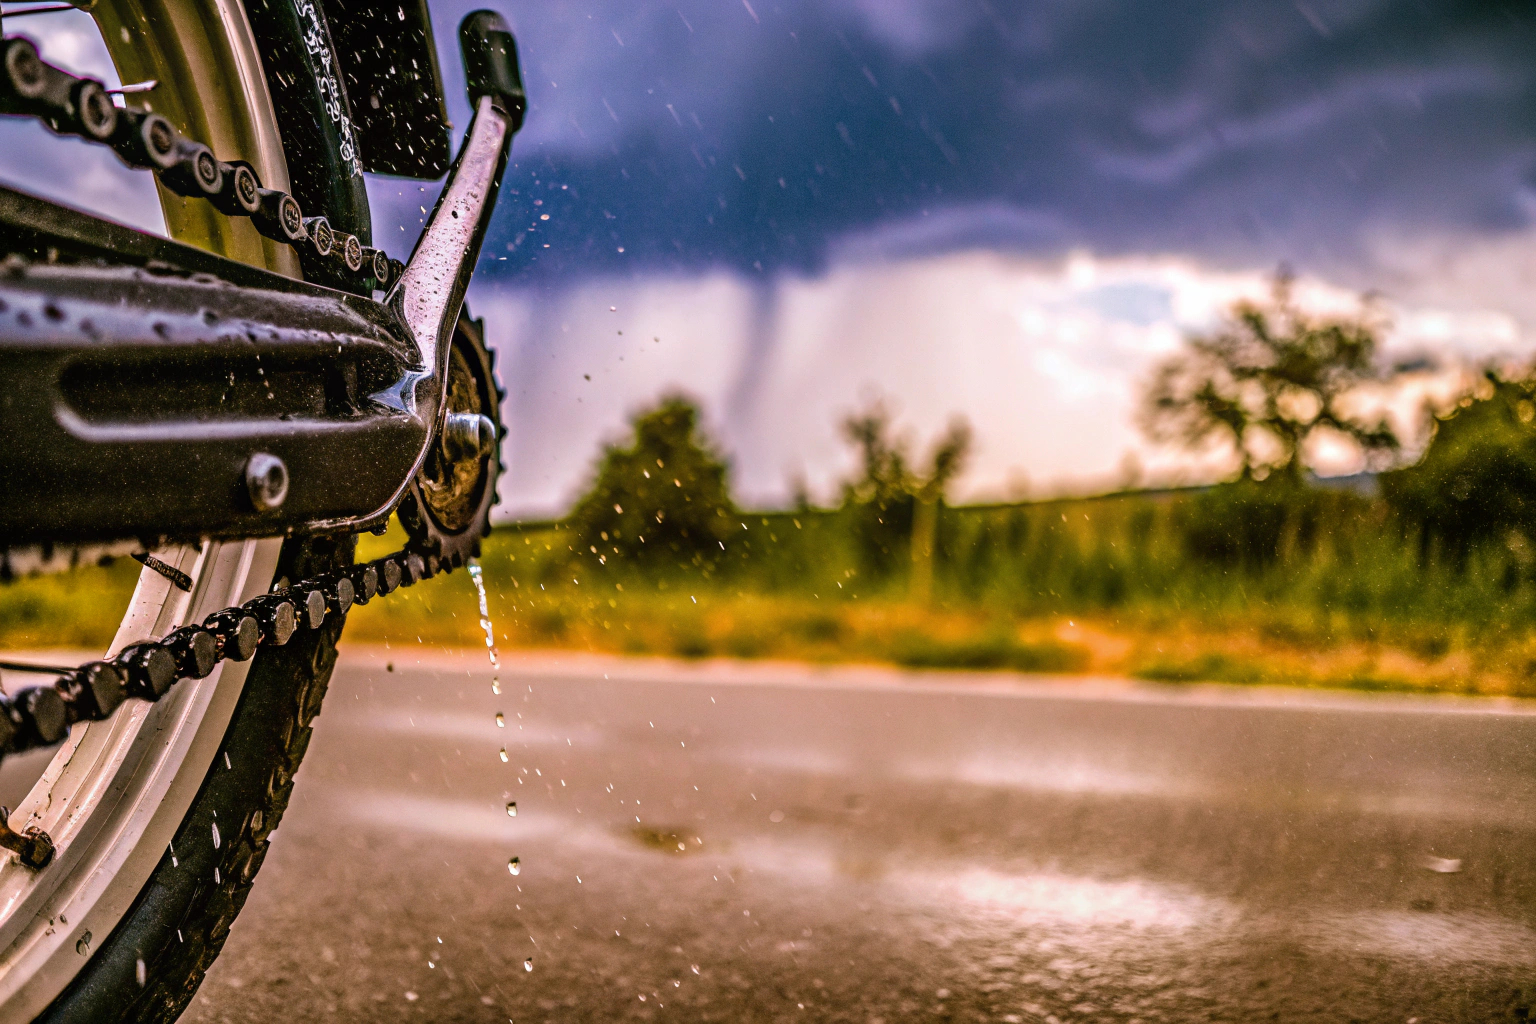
768	135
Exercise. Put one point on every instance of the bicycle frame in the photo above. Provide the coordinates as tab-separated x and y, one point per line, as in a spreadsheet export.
141	379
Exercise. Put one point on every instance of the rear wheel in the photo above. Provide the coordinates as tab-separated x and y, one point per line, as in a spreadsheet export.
161	814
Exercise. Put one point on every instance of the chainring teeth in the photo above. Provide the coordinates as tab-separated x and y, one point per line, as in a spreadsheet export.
428	532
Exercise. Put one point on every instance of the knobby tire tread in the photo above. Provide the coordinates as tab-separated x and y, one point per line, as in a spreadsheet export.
182	916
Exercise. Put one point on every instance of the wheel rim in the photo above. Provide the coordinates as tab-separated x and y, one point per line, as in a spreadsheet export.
114	794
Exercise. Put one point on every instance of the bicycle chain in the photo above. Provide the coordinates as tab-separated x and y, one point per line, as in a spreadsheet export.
71	105
41	716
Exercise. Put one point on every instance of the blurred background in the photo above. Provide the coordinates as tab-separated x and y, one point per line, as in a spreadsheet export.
1190	343
1132	347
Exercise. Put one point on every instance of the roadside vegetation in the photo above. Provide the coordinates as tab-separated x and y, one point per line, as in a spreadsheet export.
1416	577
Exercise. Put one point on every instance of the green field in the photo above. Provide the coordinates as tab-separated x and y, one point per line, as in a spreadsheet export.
1322	589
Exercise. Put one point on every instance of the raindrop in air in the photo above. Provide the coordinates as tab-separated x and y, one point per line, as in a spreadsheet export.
503	754
216	835
501	721
515	866
512	809
528	964
695	968
139	973
495	685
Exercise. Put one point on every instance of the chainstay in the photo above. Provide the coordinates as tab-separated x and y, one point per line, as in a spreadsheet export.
41	716
73	105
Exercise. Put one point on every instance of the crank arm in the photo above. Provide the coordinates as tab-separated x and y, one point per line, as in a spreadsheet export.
152	390
430	292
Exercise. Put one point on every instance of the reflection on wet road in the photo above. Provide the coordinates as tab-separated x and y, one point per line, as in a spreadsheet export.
764	843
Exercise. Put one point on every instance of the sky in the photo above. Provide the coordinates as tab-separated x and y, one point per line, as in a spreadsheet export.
1007	211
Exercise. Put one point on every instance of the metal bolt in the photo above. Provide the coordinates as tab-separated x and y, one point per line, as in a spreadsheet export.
195	649
377	262
237	632
468	435
25	69
351	251
266	479
365	583
94	111
43	709
93	690
320	234
151	670
276	617
33	847
389	576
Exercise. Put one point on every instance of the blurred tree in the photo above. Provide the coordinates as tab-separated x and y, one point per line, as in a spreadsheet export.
891	501
1477	479
664	496
1265	382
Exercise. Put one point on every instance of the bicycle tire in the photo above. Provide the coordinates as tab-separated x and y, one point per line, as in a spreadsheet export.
149	966
182	917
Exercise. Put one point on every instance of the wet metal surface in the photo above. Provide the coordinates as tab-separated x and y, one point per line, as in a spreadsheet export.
769	843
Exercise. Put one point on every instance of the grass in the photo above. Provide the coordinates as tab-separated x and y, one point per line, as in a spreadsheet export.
1119	585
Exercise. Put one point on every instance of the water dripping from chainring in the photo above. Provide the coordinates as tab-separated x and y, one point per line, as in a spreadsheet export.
478	579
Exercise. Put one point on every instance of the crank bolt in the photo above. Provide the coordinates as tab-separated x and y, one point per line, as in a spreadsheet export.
468	435
237	633
276	616
320	234
266	478
151	670
195	649
32	846
93	691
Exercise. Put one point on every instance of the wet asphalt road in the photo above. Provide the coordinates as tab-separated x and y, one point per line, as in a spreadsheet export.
765	843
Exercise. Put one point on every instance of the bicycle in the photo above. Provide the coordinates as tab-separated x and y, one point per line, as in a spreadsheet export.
234	404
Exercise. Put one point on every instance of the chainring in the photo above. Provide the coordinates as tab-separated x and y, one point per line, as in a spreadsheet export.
447	508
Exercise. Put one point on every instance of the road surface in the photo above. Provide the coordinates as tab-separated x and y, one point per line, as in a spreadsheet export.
767	843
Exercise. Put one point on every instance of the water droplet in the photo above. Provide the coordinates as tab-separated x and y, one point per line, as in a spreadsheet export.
695	968
512	809
83	946
501	721
410	997
528	964
503	754
515	866
139	973
216	839
495	685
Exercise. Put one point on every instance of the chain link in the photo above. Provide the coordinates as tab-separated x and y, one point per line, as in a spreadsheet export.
41	716
70	105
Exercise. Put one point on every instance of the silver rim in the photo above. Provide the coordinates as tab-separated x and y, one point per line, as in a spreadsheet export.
114	795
